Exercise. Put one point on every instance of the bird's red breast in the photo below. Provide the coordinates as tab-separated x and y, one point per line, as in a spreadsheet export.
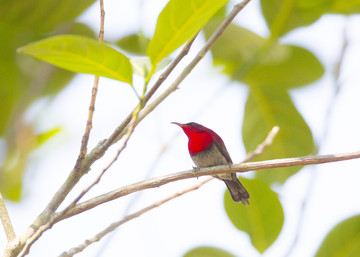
200	137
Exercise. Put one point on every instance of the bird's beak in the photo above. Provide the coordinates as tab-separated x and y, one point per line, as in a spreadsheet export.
176	123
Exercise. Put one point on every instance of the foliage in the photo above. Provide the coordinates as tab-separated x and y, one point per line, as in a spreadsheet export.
266	66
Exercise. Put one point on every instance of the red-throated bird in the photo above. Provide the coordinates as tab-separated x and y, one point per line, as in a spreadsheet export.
207	149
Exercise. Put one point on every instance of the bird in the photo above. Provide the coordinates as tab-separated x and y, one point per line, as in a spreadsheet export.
207	149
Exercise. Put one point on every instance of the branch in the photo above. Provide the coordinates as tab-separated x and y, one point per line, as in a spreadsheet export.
97	180
100	149
259	149
116	224
242	167
85	138
5	219
219	31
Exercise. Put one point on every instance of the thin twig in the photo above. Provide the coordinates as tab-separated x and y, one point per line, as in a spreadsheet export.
102	146
6	222
97	180
85	138
50	223
34	237
241	167
90	158
116	224
260	148
186	71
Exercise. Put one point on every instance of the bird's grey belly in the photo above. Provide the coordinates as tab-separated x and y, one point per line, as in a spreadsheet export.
211	157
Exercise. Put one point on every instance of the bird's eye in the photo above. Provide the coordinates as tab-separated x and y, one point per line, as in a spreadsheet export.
194	129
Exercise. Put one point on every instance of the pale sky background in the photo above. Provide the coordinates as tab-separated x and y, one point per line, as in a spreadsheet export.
207	97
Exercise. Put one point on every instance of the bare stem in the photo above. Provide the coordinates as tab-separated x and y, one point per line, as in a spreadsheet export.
85	138
116	224
85	161
126	139
259	149
5	219
242	167
186	71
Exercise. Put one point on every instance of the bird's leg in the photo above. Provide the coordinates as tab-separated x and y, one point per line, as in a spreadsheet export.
196	170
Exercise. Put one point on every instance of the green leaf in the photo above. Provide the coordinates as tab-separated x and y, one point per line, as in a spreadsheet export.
263	219
343	240
206	251
178	22
345	7
39	15
283	16
134	43
294	67
249	58
265	108
81	54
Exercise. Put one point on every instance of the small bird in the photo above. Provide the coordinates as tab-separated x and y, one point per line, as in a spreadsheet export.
207	149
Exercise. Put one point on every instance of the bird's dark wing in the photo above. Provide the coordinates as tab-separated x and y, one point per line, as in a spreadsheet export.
221	147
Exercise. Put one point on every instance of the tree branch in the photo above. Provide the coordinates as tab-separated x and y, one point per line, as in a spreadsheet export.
259	149
242	167
85	138
5	219
100	149
116	224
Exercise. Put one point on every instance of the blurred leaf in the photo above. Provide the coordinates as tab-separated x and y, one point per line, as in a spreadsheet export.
295	67
343	240
24	79
134	43
81	54
263	219
345	7
265	108
13	168
39	15
205	251
47	135
283	16
178	22
11	171
249	58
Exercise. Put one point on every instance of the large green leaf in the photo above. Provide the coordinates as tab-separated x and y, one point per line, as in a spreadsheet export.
249	58
206	251
263	219
265	108
24	79
81	54
343	240
178	22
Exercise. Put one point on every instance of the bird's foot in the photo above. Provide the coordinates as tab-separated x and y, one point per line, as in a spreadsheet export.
195	171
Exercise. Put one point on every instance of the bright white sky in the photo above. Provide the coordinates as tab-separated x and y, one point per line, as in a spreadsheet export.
198	218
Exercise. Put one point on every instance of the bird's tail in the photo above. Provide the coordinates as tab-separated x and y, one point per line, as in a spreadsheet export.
237	190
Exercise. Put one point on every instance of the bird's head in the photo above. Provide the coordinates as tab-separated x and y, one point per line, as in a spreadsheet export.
200	137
